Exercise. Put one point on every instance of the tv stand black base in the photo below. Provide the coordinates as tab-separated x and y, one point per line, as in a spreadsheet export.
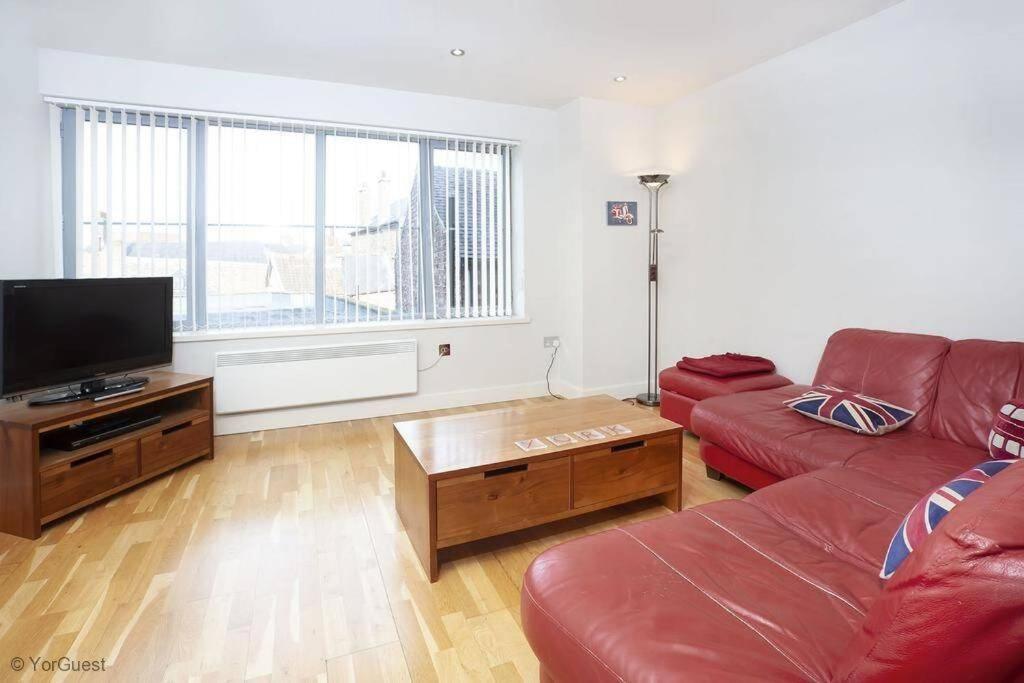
95	390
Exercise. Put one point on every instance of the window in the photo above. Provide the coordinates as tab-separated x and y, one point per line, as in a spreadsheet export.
470	197
272	224
373	228
260	226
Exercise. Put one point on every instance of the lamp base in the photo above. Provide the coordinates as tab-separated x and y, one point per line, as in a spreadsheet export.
649	399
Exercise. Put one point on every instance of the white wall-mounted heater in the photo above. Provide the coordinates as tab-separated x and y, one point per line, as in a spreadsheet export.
266	379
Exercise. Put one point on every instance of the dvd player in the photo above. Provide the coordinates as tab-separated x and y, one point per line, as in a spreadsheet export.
87	433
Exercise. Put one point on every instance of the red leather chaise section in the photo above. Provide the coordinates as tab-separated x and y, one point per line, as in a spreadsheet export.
784	586
773	587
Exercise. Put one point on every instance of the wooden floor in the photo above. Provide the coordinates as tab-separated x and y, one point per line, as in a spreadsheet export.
281	559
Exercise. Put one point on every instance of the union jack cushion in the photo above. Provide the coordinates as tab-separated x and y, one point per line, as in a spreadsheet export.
930	510
849	410
1006	440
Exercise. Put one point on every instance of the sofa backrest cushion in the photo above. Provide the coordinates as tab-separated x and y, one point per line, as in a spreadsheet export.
955	609
977	379
895	367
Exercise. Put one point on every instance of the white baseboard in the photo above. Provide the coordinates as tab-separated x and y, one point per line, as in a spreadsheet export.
627	390
357	410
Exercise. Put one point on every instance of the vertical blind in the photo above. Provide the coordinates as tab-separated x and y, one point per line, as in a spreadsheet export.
128	197
269	223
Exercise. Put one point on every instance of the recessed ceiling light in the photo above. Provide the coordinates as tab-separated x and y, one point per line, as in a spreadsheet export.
457	52
619	79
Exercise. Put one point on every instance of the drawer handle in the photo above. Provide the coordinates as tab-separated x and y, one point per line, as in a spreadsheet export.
92	458
176	428
628	446
505	470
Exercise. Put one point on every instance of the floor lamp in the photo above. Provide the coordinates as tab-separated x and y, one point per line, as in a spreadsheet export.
653	183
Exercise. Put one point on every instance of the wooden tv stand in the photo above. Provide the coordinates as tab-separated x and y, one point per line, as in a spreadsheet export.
39	484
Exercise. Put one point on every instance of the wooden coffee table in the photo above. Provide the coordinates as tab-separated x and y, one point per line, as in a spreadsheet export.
461	478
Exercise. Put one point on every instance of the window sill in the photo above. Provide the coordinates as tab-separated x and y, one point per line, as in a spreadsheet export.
361	328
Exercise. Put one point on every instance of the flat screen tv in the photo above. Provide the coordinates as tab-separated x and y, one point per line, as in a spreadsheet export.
61	332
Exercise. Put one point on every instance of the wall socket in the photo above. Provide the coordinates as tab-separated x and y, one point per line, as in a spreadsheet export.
551	342
444	349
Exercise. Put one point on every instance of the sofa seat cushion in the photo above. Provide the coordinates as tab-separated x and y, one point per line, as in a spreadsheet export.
858	521
915	461
760	428
698	386
721	592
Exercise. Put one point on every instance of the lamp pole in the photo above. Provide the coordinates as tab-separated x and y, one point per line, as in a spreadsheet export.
653	183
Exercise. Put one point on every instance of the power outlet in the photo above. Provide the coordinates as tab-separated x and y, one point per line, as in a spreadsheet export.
444	349
551	342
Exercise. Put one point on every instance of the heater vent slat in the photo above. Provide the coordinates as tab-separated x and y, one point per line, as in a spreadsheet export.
313	353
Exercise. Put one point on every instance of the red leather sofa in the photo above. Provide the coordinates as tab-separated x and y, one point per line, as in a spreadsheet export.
783	585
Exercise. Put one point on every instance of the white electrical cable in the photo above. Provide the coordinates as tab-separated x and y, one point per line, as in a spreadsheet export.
432	365
547	375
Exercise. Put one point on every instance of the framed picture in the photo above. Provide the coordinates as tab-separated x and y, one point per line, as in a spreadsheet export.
622	213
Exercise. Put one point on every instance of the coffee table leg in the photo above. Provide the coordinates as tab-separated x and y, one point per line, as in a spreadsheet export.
415	500
673	500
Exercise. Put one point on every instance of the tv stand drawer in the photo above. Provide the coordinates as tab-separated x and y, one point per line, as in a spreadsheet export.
71	483
175	444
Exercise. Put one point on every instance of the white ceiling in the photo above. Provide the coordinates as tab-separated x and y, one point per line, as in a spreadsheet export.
534	52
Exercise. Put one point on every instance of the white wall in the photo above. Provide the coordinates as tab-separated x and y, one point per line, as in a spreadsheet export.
872	178
605	145
489	362
24	161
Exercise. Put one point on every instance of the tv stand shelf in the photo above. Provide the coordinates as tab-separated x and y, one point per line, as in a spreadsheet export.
40	484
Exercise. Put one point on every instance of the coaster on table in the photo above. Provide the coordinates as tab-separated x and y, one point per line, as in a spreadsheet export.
591	434
562	439
533	444
617	430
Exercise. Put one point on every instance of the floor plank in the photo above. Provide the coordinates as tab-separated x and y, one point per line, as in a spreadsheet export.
282	559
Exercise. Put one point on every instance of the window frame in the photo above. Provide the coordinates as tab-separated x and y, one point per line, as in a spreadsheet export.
195	323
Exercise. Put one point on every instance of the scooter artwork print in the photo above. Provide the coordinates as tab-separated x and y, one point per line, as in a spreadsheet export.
621	213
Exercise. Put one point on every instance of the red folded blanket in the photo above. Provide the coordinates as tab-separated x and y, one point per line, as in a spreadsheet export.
727	365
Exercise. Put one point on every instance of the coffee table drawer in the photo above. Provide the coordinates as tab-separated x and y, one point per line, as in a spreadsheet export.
625	469
486	503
